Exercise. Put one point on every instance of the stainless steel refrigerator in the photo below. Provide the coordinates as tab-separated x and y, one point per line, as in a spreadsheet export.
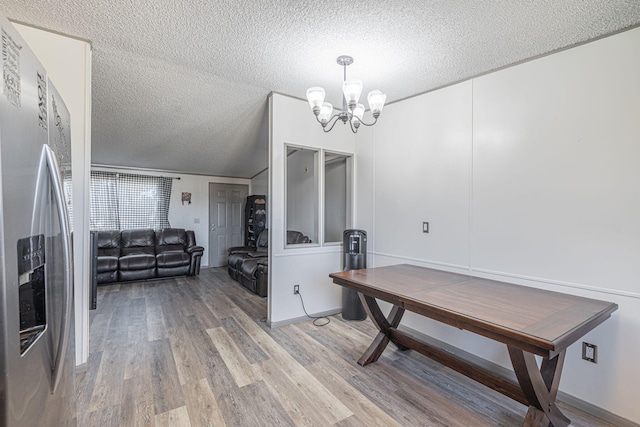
37	354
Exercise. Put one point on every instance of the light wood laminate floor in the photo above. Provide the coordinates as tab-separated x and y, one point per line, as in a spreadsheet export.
195	351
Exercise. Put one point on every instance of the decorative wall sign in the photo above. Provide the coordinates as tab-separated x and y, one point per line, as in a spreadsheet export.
42	101
186	197
11	69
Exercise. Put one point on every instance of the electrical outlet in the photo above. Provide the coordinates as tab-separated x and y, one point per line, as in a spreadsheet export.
425	227
296	289
590	352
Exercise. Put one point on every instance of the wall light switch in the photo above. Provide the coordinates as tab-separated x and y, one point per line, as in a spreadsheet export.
425	227
196	220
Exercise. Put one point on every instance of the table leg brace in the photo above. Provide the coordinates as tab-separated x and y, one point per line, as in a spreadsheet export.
383	324
540	387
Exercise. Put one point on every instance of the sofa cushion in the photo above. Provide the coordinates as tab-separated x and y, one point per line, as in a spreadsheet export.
107	263
171	240
125	275
108	243
172	259
249	267
138	241
137	262
235	260
108	239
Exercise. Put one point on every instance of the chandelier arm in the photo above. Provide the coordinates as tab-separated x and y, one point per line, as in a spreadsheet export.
370	124
331	118
353	129
335	118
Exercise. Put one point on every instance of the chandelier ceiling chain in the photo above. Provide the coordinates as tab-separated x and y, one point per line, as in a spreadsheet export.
351	112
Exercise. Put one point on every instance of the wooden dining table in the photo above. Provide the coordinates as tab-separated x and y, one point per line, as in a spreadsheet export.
530	321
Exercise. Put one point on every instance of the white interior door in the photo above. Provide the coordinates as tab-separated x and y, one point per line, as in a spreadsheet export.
226	208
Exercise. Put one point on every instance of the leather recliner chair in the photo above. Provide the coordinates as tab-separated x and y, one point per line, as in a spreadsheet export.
250	266
174	249
238	254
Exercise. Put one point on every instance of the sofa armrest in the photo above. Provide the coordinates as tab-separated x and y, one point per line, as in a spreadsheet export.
193	249
195	260
195	252
240	249
262	274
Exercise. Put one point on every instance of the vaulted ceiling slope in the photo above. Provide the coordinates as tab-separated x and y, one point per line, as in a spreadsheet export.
182	85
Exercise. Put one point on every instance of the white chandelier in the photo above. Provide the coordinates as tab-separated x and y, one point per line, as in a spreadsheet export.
352	112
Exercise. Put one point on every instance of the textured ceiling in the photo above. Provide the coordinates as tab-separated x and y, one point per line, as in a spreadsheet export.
182	85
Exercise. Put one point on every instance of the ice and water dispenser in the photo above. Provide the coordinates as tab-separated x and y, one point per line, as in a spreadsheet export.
354	244
31	291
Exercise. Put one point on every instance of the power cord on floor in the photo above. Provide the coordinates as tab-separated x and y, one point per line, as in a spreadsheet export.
315	319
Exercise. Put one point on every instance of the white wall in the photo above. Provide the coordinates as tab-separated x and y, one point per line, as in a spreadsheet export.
291	122
68	64
194	216
528	175
422	169
260	184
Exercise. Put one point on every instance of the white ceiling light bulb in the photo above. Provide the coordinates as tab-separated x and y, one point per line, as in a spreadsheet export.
352	89
325	112
315	96
376	102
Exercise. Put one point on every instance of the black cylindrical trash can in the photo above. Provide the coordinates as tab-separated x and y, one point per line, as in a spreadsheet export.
354	244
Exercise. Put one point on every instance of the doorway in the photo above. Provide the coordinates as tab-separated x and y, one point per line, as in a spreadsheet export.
226	203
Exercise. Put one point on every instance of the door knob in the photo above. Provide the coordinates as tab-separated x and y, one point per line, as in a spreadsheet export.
213	227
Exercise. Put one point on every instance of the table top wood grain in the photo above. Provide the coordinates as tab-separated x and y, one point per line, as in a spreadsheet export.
536	320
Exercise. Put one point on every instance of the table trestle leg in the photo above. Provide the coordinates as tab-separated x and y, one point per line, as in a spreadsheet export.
540	387
384	325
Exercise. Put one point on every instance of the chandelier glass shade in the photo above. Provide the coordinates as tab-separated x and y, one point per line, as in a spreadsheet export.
352	112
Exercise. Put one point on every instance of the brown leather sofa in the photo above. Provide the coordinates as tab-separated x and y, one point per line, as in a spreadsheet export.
145	254
250	266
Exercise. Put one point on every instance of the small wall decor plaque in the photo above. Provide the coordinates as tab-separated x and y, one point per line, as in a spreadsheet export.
186	197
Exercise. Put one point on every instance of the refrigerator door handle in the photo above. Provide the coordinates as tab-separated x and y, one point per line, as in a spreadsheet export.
63	340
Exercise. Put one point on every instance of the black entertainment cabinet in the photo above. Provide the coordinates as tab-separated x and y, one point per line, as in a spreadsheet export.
255	218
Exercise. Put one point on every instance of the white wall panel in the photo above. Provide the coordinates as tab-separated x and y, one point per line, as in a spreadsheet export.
310	269
555	159
422	169
552	189
364	184
291	122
